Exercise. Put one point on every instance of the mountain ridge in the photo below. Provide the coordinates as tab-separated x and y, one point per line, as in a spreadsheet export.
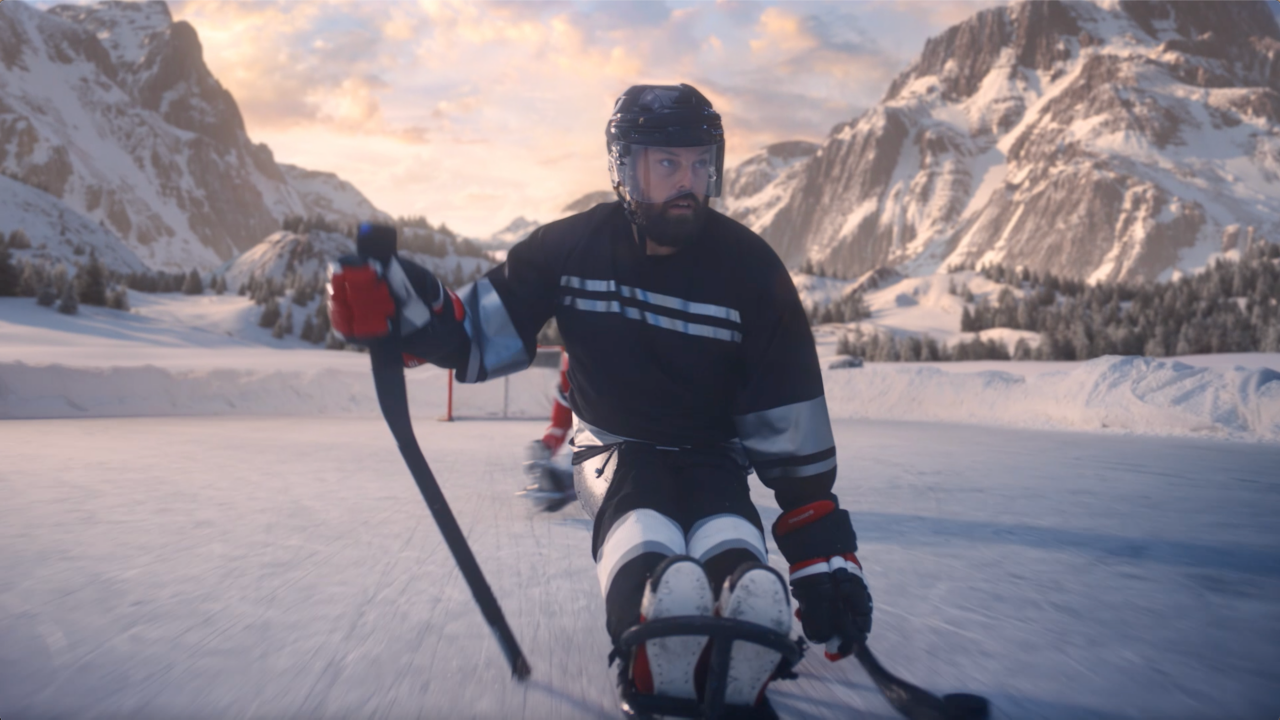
111	109
1109	141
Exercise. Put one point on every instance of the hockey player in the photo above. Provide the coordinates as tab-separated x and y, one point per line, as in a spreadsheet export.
693	362
552	488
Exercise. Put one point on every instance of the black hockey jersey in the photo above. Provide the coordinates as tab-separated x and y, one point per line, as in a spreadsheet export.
697	348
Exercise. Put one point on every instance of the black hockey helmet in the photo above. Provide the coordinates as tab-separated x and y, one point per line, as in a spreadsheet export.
661	116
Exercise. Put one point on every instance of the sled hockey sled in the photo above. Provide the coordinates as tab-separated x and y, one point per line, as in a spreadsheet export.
724	632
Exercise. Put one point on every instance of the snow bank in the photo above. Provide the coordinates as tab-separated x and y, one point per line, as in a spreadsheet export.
59	391
1130	394
204	355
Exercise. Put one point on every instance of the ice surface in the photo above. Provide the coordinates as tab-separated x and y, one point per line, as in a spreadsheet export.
286	568
270	557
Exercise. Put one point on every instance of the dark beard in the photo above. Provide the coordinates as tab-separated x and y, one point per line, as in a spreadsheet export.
667	231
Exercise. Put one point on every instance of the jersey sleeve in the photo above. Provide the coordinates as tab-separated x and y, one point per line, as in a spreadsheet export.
506	308
781	412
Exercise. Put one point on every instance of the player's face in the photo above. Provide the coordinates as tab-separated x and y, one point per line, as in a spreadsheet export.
666	174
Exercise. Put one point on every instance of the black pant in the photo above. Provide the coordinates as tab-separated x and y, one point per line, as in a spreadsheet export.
659	502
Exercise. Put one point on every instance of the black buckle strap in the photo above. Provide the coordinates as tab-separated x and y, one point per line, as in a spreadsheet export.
724	632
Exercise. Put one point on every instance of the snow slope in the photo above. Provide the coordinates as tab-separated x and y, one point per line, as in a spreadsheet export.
57	231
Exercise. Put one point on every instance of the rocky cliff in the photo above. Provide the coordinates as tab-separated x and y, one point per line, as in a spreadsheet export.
1103	140
111	109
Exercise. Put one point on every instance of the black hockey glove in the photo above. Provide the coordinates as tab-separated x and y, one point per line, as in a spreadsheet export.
833	602
365	294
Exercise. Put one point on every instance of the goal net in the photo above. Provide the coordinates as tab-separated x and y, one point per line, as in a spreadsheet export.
526	395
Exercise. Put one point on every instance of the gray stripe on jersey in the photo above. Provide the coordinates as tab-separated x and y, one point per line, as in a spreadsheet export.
653	298
655	319
585	284
802	428
675	303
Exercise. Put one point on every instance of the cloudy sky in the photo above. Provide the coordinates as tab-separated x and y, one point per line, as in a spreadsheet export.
473	113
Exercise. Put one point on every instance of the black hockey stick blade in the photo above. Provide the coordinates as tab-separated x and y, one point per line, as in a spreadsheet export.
393	399
916	703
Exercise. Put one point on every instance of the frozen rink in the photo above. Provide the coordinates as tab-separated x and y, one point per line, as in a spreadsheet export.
285	567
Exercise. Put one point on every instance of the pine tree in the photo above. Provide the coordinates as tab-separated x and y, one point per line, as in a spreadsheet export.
193	285
270	314
308	331
303	295
322	321
18	240
9	276
1271	339
30	280
284	326
1022	350
91	283
47	296
67	304
118	299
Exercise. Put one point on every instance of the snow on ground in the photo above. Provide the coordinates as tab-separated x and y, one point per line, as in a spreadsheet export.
286	568
913	305
205	355
1234	396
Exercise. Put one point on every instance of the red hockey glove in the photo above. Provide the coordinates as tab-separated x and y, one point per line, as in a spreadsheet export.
364	297
833	603
360	303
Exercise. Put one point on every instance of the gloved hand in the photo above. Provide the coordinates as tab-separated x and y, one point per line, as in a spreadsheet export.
360	302
365	295
833	603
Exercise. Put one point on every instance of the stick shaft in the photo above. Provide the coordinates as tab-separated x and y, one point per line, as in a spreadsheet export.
388	378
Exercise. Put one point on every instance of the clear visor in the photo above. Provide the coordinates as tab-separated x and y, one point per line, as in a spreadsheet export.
658	174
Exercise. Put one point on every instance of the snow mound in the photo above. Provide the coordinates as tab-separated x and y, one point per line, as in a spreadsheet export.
59	391
1129	394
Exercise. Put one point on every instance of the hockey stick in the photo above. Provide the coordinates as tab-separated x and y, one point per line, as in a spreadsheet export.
388	380
918	704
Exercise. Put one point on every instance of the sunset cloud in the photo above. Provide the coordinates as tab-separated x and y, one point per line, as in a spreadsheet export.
475	112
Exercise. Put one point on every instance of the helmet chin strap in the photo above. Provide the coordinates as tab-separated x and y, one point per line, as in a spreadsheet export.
627	206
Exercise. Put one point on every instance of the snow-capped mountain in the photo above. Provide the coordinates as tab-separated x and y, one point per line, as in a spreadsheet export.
522	227
514	232
588	201
1105	140
307	255
111	109
327	195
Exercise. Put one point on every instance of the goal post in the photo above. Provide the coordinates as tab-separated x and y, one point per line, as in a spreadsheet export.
526	395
